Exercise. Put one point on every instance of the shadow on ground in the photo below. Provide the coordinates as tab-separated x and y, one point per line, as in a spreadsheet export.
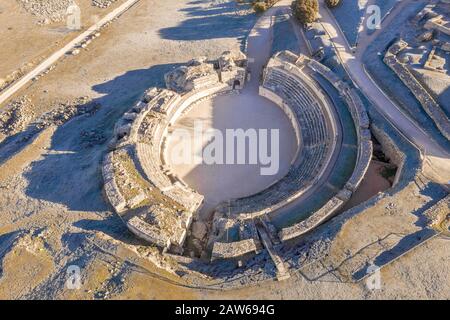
206	22
112	226
70	172
6	242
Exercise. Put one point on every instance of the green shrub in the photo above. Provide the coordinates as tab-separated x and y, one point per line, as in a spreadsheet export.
306	11
332	3
259	6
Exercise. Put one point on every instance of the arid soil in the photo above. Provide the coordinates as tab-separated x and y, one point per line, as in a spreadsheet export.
372	183
53	214
231	112
28	38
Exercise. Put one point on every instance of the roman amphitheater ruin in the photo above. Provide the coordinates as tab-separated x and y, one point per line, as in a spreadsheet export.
158	206
207	149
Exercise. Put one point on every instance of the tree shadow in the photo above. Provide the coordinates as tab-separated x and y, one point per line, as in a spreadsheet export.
70	172
16	142
412	240
218	20
112	226
6	241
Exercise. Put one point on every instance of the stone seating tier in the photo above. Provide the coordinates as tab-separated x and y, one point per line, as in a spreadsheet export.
315	137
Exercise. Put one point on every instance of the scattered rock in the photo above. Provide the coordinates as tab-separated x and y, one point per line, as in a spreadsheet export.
64	112
17	116
102	3
426	36
47	11
92	138
199	230
197	244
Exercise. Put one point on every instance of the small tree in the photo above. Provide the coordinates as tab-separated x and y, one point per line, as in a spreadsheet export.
259	6
305	11
332	3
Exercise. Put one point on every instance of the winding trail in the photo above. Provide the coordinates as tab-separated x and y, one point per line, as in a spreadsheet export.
259	44
47	63
437	159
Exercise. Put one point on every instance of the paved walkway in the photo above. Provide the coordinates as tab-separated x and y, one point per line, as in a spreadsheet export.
259	44
435	154
366	39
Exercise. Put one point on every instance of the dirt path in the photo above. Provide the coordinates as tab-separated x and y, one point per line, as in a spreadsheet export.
366	39
61	52
254	112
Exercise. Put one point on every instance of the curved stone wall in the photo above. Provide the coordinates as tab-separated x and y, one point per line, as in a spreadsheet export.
142	132
158	206
291	65
365	149
277	100
314	124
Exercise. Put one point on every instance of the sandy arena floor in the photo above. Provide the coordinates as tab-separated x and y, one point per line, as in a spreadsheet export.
245	111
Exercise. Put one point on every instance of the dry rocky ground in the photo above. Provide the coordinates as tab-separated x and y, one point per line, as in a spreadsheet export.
53	136
32	29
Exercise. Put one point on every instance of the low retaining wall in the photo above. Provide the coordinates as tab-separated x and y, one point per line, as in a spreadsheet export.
142	231
233	250
112	192
431	107
313	221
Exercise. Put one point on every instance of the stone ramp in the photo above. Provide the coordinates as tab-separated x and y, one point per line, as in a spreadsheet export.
282	272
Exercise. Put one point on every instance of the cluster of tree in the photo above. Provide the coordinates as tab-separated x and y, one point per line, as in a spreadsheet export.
259	6
306	11
263	5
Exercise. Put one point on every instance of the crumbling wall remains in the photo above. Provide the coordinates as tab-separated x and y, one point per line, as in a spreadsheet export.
431	107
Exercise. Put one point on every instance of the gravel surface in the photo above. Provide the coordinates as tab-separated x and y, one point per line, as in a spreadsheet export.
48	10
